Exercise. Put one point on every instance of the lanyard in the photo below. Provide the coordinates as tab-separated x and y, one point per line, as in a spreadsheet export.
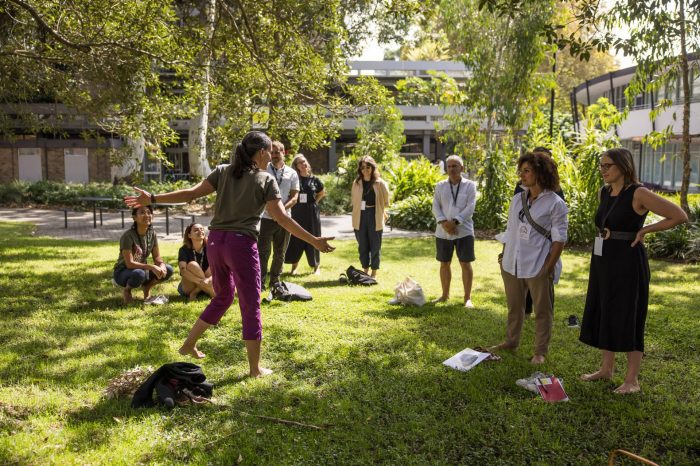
199	257
278	179
455	194
365	193
144	246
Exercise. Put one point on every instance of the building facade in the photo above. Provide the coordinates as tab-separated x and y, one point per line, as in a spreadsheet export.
661	168
66	156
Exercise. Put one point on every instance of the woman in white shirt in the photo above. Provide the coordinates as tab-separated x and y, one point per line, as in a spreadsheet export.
532	247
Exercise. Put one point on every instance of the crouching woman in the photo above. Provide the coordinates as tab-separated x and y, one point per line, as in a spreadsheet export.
132	269
193	263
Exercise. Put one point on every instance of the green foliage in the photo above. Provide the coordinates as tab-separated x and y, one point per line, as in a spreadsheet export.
410	178
58	194
337	199
346	362
496	182
679	243
414	212
440	89
577	160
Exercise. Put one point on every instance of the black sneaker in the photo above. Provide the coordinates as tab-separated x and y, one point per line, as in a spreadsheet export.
572	321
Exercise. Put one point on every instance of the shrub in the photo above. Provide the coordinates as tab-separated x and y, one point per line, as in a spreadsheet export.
495	187
414	213
13	192
337	199
412	178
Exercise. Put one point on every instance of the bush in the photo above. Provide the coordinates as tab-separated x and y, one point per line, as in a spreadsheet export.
496	188
337	199
414	213
59	194
412	178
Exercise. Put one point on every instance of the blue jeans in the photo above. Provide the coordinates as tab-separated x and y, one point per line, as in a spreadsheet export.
134	278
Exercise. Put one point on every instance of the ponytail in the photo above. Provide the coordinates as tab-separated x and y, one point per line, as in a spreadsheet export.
245	151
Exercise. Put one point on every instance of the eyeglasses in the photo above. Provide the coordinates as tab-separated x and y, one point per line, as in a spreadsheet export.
605	166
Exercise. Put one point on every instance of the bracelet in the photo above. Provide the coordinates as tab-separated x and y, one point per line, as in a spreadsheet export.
153	198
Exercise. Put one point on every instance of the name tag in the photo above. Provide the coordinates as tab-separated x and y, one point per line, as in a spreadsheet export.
524	231
363	205
302	198
598	246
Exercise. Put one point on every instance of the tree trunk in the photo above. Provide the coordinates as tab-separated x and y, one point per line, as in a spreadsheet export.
199	165
685	81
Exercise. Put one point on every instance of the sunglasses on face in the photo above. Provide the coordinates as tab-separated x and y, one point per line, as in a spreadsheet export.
605	166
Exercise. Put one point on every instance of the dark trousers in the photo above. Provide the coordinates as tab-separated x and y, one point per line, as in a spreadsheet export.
134	278
369	240
272	238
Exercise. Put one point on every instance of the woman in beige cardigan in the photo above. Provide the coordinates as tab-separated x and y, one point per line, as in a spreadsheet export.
370	198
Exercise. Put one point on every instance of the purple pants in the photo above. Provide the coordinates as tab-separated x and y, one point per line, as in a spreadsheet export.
233	259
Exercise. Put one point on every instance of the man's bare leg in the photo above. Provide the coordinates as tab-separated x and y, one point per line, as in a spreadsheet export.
467	279
445	279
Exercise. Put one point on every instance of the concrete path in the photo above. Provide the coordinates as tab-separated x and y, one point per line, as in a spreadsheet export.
80	225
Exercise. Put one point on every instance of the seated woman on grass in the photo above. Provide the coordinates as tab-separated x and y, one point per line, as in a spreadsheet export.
132	269
193	263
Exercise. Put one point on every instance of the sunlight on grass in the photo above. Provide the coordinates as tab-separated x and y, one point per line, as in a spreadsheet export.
367	373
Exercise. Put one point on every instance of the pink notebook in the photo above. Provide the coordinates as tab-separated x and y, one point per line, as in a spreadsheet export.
551	389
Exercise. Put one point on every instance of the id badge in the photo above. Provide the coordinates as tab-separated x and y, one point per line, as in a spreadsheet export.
598	246
302	198
362	206
524	231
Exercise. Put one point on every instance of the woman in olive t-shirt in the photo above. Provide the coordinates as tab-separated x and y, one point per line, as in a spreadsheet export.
243	190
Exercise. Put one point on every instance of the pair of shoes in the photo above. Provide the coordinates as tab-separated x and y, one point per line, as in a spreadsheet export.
572	321
156	300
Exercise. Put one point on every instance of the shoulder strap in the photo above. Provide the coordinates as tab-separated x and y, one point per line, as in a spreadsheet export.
540	229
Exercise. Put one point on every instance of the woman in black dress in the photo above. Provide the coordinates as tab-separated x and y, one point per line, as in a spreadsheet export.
307	214
618	285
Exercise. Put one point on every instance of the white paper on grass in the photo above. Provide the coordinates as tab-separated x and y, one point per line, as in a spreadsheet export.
465	360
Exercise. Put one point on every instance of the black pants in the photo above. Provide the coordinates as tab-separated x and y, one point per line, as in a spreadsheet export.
369	240
272	237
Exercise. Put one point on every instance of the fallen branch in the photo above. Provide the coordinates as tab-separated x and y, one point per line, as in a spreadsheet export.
284	421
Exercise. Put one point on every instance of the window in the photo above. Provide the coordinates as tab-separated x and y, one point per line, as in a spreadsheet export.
76	165
29	164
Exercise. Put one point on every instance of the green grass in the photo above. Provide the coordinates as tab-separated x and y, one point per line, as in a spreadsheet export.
368	373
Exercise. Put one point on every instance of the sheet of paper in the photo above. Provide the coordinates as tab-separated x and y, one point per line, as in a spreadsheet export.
465	360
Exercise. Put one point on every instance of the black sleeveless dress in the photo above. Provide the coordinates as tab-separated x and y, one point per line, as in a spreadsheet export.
618	284
308	215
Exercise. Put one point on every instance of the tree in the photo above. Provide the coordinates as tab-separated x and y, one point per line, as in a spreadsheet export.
659	35
134	66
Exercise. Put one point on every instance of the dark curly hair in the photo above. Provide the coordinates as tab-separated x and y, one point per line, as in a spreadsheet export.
545	169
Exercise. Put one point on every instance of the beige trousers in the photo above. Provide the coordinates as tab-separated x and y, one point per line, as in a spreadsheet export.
542	291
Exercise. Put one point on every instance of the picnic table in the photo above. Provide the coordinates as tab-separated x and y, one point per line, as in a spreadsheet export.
167	206
94	200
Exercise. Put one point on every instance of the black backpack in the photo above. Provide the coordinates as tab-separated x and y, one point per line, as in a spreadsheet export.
285	291
353	276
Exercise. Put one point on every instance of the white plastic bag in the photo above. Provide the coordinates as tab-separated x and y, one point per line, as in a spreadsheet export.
409	292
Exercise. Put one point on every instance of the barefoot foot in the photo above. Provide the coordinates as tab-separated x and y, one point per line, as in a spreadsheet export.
599	375
261	372
628	387
194	352
441	299
537	359
126	296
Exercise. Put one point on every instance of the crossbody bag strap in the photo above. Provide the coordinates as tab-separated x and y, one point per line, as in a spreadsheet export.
539	228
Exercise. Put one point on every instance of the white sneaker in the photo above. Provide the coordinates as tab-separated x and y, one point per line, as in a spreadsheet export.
468	304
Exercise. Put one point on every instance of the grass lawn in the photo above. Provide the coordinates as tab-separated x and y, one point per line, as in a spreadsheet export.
367	373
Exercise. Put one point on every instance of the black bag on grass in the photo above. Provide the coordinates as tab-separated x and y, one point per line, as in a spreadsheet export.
353	276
